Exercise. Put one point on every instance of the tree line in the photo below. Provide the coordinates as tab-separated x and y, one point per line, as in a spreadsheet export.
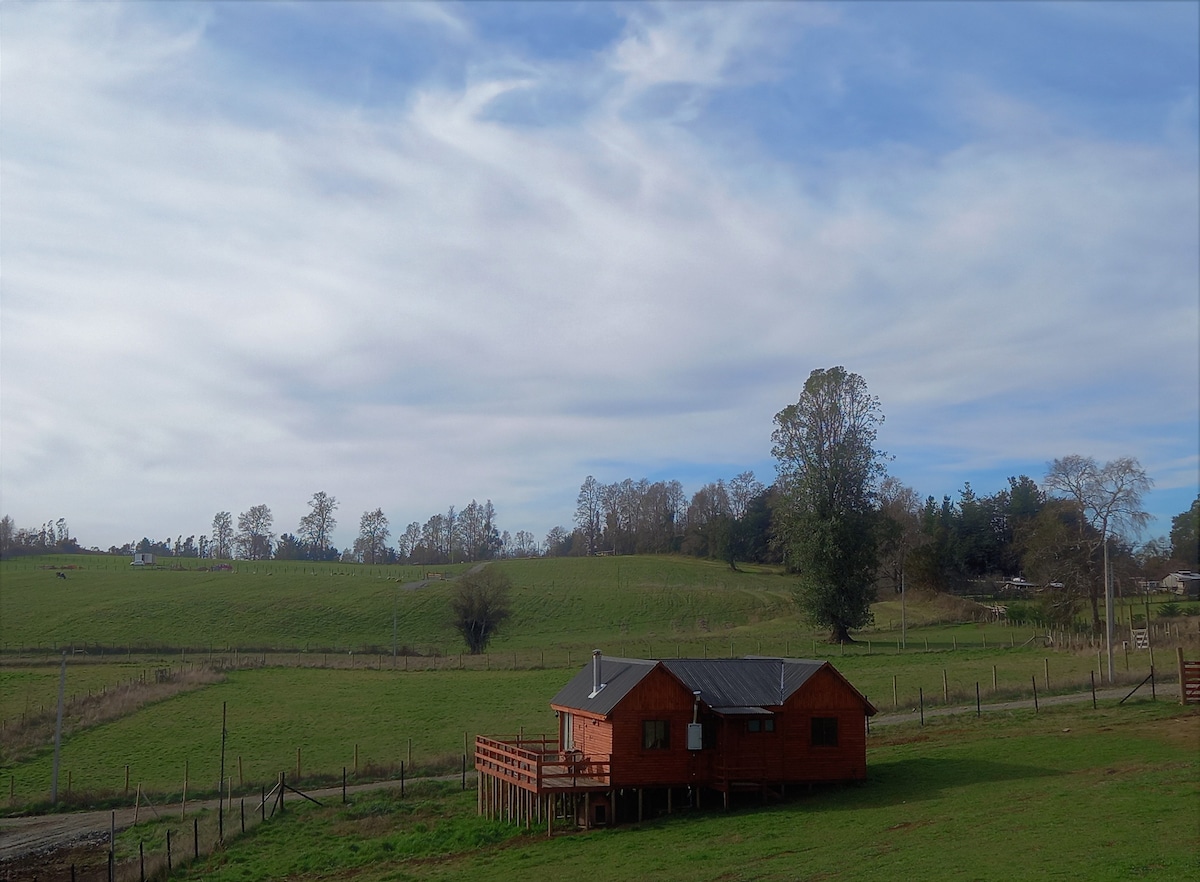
833	516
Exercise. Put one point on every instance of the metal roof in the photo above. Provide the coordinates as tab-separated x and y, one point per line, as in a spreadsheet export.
619	676
743	682
727	685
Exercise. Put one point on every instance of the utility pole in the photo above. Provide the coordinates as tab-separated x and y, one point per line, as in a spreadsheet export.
1108	603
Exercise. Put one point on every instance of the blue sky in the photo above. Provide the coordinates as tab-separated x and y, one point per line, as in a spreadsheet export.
417	254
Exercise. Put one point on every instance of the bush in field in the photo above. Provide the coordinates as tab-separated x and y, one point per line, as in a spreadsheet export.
480	605
1170	610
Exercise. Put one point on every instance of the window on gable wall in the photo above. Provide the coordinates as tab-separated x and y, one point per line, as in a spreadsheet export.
656	734
824	731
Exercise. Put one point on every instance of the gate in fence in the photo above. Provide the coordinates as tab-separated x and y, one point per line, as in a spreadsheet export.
1189	679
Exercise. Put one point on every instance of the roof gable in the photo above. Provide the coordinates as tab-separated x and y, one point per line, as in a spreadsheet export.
618	675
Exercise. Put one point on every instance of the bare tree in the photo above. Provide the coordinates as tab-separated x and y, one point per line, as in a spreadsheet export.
1108	499
221	544
373	531
254	536
318	525
587	514
900	530
742	490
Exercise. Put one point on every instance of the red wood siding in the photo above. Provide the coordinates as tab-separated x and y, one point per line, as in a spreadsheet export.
739	756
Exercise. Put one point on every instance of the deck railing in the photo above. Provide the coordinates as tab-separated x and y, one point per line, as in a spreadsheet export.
538	764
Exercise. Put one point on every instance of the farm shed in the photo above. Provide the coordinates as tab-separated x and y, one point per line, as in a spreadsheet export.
1184	583
639	735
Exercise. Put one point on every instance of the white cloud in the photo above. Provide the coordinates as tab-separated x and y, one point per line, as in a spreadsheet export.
424	302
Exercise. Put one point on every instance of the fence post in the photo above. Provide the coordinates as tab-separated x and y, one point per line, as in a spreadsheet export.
921	698
1092	674
1183	679
1035	700
978	709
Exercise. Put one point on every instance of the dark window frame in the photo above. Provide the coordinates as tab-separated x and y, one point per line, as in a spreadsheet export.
824	731
656	734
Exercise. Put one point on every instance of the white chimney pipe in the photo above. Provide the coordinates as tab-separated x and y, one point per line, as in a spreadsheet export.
597	684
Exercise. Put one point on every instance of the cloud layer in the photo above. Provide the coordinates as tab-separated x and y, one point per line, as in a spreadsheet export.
414	255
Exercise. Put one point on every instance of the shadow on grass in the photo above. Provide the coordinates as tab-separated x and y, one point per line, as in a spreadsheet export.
921	778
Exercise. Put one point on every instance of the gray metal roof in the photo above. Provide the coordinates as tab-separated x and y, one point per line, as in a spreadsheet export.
619	676
727	685
743	682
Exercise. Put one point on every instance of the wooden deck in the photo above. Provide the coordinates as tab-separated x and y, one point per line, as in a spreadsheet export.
536	764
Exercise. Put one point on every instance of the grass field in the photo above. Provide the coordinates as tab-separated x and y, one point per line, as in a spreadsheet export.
1070	793
418	708
419	717
556	603
657	606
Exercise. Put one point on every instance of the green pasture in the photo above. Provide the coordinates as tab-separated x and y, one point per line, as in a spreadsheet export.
421	717
33	689
658	606
555	603
1071	793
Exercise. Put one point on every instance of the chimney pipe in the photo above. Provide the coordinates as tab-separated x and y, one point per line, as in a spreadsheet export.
596	683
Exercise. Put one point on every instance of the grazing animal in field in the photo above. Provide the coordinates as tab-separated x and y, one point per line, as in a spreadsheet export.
61	575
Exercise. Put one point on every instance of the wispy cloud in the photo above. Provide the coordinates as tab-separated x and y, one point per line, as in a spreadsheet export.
225	284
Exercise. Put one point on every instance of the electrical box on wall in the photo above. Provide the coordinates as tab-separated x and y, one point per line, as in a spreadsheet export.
695	736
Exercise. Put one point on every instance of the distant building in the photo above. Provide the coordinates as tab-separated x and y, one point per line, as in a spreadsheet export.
142	559
1184	583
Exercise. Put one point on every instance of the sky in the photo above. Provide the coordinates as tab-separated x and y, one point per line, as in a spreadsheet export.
415	254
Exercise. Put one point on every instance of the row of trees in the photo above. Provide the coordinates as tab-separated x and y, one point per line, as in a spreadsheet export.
469	534
52	537
844	526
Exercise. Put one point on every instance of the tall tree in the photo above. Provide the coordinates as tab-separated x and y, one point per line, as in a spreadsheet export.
316	528
221	544
587	514
373	531
254	536
824	445
1185	537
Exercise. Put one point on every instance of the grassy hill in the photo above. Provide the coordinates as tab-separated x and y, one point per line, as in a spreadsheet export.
556	603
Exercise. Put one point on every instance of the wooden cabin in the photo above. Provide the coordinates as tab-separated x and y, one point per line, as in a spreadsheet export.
638	735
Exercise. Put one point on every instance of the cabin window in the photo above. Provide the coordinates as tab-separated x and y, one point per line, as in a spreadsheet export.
656	734
568	732
824	731
767	725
